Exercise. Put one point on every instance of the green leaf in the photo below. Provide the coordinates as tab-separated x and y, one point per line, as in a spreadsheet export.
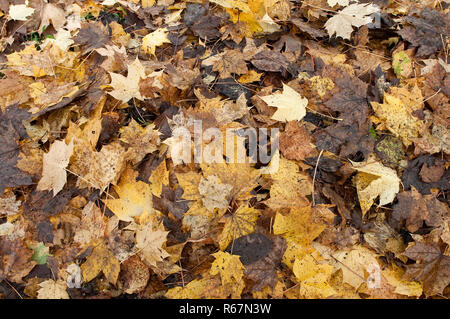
41	252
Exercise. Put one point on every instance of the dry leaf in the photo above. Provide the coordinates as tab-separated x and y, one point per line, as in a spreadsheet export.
54	174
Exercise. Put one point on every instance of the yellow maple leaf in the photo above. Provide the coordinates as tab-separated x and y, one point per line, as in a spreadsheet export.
150	239
313	277
355	264
135	197
242	176
193	290
240	223
299	225
231	271
154	39
290	187
249	77
101	260
126	88
394	276
375	180
291	105
396	113
139	140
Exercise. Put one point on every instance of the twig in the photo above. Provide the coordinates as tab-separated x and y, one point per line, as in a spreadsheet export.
314	178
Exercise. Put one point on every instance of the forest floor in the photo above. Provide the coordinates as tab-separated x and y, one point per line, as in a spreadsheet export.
224	149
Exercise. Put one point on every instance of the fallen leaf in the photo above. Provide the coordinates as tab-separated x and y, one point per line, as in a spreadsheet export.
375	180
355	15
54	174
51	289
291	105
101	260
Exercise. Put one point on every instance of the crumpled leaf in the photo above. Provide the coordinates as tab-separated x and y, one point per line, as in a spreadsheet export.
375	180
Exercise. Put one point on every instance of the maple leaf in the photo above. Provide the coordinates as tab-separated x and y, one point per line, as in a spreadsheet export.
54	174
126	88
150	243
432	268
92	35
214	194
429	32
51	289
134	275
291	105
193	290
104	167
397	110
261	256
155	39
240	223
11	129
135	197
373	180
92	225
413	209
295	142
231	271
313	277
139	140
20	12
229	62
8	204
354	264
355	15
298	225
289	186
101	260
53	13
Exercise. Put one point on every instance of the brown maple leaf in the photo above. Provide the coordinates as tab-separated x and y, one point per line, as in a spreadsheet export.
413	209
429	32
11	129
431	267
92	35
295	142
